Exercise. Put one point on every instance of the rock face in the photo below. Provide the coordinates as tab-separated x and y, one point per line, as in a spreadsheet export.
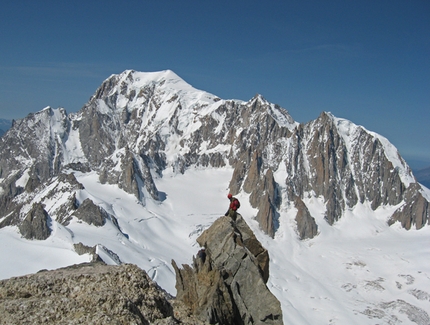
227	284
91	293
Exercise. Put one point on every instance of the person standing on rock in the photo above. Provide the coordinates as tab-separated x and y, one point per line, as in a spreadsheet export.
234	205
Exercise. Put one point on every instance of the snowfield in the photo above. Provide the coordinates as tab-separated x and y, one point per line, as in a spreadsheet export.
359	271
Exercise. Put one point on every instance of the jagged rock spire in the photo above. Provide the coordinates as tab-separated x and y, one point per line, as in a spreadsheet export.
228	285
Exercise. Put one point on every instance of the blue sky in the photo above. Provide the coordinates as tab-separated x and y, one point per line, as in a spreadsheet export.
366	61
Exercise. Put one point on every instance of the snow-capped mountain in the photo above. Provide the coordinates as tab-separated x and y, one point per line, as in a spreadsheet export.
145	166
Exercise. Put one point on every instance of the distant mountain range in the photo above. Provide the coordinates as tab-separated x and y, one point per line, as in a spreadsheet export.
155	121
329	191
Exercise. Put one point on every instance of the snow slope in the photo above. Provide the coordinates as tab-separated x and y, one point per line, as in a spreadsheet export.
359	271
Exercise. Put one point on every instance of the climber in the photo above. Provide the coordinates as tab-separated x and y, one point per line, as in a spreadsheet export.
234	205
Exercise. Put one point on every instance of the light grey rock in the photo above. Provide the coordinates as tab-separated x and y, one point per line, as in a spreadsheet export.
229	284
89	293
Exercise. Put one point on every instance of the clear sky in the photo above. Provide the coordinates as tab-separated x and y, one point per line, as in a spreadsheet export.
367	61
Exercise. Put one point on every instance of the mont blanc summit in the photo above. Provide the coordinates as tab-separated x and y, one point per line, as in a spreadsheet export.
145	166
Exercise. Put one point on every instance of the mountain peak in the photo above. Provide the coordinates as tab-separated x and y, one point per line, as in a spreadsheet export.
166	78
260	98
132	89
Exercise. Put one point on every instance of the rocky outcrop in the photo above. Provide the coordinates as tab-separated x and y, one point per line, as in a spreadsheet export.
306	225
415	212
227	283
35	225
91	213
82	249
90	293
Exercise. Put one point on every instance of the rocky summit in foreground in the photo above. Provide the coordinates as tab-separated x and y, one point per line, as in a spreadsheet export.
89	293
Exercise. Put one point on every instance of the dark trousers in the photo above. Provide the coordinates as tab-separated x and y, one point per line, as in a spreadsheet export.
232	214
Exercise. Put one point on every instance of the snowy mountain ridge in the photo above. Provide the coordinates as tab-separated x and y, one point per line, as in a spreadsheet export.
146	164
350	132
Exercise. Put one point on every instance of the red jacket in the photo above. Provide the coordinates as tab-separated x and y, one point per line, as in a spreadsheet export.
234	204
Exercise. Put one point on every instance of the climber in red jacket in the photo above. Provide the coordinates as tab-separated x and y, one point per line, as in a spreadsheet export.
234	205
